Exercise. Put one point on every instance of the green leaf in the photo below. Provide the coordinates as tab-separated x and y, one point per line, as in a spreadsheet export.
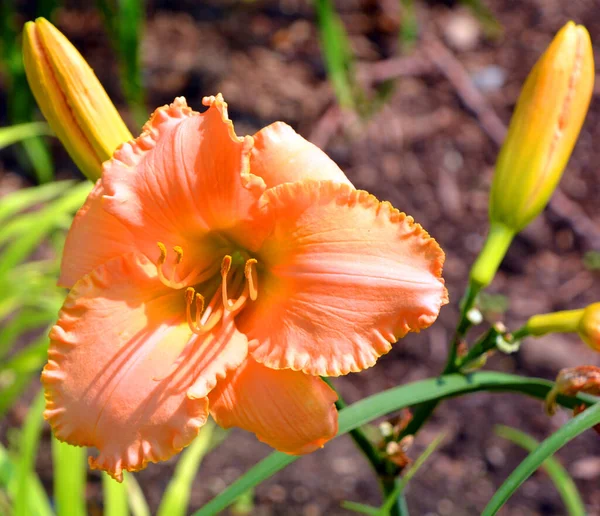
124	20
115	496
28	446
137	501
409	28
16	133
20	102
337	52
37	499
541	455
390	401
26	320
28	197
13	380
47	219
70	475
361	508
177	495
562	480
402	483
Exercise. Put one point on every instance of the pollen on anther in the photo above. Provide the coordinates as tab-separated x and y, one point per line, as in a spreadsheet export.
178	253
163	253
225	265
251	278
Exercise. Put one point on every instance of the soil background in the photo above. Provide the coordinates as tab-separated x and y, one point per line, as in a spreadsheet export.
430	150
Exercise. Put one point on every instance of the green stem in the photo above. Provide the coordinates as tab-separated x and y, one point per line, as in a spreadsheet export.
497	243
388	486
482	346
361	440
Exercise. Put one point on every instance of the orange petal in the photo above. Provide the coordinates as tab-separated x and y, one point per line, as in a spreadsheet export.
345	276
280	155
94	238
292	412
187	175
115	377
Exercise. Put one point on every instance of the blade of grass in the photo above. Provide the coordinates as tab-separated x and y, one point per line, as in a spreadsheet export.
39	504
28	446
27	320
69	463
124	20
177	495
28	197
114	496
19	249
37	499
21	105
137	501
485	16
562	480
18	132
579	424
337	52
409	28
402	483
389	401
13	381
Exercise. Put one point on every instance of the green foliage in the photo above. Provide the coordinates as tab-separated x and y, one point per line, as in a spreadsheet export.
20	102
579	424
69	472
28	445
18	132
562	480
124	20
401	484
591	260
389	401
177	495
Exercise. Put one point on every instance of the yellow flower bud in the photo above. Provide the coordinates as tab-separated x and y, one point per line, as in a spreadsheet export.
543	129
540	139
71	98
584	321
589	326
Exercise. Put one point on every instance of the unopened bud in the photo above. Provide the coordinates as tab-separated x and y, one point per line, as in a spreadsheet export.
543	129
589	326
540	139
71	98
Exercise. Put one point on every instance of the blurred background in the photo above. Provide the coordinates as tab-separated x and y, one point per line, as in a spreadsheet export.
411	99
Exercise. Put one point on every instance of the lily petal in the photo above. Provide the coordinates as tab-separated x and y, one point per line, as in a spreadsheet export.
94	238
281	155
184	178
115	377
344	276
292	412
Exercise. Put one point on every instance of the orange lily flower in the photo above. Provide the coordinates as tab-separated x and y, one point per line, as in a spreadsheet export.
216	274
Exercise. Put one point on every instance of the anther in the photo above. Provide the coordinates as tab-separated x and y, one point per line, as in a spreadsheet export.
225	267
169	282
195	323
251	278
179	254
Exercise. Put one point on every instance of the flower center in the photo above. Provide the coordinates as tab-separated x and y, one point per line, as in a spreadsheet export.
238	279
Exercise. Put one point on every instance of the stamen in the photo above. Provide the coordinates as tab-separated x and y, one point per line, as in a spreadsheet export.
251	278
171	282
179	252
195	323
225	267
